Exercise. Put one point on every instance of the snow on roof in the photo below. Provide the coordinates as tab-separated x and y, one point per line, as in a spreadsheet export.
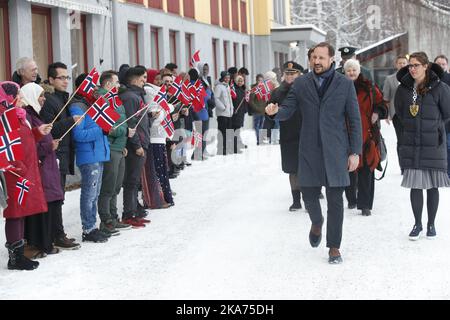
299	26
380	43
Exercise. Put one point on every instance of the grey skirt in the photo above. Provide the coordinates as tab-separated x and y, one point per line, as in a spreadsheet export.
425	179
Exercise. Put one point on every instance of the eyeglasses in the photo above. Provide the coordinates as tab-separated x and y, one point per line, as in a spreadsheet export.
414	66
64	78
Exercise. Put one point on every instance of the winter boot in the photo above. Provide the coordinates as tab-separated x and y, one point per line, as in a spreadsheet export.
296	205
17	261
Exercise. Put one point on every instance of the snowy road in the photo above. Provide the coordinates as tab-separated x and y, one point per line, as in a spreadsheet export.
230	236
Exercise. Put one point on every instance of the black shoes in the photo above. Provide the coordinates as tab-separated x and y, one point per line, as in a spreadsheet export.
366	212
295	207
17	260
351	205
95	236
414	235
431	232
315	234
334	256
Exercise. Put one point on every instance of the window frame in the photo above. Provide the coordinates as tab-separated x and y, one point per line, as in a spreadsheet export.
4	9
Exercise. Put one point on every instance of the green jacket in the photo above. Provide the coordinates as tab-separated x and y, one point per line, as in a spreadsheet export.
117	138
257	106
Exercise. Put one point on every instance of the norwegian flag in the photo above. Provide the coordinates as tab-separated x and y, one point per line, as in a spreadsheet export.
200	89
186	92
176	91
266	88
103	114
9	121
22	189
168	126
197	138
10	147
195	59
258	92
113	98
161	99
233	91
87	87
247	95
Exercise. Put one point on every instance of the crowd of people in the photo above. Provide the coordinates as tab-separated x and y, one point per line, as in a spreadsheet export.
137	155
326	120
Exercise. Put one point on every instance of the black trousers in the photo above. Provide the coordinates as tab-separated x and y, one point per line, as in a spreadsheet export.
131	183
160	161
335	212
224	124
56	220
362	188
398	132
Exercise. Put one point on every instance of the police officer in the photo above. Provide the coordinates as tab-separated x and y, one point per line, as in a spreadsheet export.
289	131
350	53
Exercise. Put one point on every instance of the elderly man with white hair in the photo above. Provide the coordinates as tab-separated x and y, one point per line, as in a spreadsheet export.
26	72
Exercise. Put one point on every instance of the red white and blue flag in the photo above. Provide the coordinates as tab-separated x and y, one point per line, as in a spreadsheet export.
176	91
22	189
103	114
258	92
266	87
10	147
247	95
113	98
87	87
195	59
168	126
9	121
161	99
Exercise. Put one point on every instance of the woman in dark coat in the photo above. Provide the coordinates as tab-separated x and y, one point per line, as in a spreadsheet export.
372	107
38	228
240	107
422	105
289	132
27	168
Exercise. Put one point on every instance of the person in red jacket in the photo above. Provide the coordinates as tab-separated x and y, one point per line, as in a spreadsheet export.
27	168
372	107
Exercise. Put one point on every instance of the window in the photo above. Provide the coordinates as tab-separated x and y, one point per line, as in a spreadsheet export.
173	46
5	68
189	51
216	63
189	8
157	4
235	14
225	54
225	14
42	33
154	33
79	48
243	16
235	54
244	55
215	16
279	11
173	6
133	44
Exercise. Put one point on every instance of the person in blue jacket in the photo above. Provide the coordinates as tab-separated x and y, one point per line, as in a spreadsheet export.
91	151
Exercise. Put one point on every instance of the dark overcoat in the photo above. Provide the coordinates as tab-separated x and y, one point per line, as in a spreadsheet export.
330	129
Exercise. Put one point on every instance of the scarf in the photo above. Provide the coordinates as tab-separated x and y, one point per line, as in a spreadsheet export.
31	93
324	80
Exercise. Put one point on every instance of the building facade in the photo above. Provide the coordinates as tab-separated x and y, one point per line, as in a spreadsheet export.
107	33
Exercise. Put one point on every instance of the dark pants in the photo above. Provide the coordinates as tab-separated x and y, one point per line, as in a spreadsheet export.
398	132
335	213
38	227
205	128
224	124
57	221
14	229
362	188
160	158
112	179
132	180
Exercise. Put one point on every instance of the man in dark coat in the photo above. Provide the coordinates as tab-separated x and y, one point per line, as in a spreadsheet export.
330	141
289	131
26	72
59	79
133	100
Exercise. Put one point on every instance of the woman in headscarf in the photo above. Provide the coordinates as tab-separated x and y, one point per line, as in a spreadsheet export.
28	169
38	228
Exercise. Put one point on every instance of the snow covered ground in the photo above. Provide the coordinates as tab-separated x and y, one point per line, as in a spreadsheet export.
231	236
